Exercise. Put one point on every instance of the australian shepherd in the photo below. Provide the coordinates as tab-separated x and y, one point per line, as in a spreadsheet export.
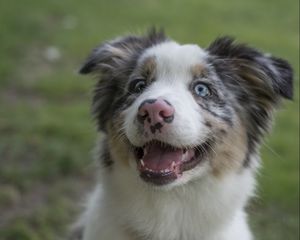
180	131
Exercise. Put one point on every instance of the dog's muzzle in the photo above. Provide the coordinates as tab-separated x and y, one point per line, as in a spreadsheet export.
158	161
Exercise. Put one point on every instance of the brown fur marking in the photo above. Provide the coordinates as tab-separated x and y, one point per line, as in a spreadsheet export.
148	67
230	152
119	150
198	70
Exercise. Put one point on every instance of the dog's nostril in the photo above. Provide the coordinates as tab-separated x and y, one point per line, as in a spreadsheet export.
142	116
167	116
166	113
162	114
169	119
144	113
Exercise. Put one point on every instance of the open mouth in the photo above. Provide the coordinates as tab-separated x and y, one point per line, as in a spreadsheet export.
160	163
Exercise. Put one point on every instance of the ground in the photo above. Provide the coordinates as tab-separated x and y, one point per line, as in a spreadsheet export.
47	134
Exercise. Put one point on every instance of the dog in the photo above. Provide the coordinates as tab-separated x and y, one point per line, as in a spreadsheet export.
181	127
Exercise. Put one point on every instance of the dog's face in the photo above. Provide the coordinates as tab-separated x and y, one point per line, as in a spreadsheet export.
181	110
176	113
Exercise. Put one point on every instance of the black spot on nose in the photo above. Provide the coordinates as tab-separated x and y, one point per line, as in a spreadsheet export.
155	127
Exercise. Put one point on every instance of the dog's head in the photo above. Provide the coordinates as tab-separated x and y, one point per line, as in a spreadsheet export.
179	112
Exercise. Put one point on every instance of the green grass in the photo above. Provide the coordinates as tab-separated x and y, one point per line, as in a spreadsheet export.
46	133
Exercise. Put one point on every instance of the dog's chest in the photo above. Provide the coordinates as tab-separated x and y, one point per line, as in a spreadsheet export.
173	217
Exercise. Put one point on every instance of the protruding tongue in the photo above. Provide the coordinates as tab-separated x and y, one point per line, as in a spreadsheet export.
158	157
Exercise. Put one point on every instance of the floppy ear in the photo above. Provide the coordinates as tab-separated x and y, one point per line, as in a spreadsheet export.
257	80
113	62
120	52
283	77
275	73
110	56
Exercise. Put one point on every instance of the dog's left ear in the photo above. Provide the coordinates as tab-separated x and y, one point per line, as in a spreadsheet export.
274	73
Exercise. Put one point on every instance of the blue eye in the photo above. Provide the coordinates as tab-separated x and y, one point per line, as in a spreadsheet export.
137	86
202	90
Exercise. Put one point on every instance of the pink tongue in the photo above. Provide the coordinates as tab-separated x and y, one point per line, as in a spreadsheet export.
159	158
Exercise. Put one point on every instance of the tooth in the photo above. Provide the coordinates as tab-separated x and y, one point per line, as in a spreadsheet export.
142	162
145	151
173	165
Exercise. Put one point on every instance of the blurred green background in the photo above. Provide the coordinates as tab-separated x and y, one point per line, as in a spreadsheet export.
46	132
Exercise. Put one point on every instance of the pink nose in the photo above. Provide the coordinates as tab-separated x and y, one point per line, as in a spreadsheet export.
155	112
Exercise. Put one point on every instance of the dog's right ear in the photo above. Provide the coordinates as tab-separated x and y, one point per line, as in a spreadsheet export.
119	53
106	57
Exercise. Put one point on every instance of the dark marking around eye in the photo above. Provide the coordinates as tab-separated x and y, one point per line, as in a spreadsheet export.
224	118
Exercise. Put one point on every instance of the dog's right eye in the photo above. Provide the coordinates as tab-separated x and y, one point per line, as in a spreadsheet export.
137	85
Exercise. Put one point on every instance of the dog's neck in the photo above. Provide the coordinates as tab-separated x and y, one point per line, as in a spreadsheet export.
204	207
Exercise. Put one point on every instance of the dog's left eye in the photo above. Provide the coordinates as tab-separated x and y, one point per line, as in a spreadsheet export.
202	90
137	85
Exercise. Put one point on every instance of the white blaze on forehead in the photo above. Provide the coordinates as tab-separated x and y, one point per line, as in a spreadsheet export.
174	71
174	61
